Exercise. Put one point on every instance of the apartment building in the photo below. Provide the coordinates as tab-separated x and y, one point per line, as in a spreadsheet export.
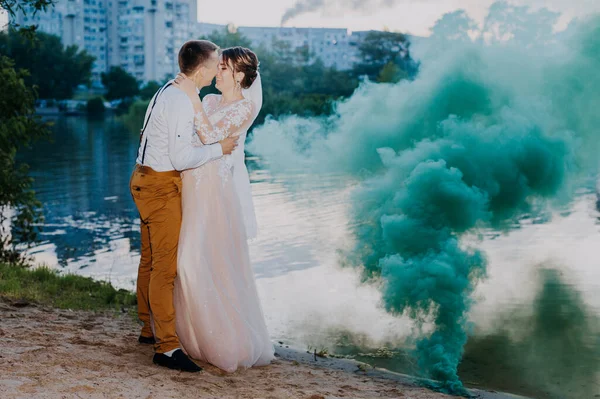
335	47
142	36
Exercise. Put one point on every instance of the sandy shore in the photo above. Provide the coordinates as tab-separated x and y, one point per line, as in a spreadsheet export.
50	353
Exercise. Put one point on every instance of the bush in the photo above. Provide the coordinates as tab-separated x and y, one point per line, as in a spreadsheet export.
95	107
134	118
19	126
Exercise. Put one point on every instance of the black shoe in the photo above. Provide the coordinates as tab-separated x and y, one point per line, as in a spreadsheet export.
146	340
177	361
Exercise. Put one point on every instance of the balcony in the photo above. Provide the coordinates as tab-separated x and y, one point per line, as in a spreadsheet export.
138	60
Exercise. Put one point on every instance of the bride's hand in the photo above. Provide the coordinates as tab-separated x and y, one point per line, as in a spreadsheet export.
187	85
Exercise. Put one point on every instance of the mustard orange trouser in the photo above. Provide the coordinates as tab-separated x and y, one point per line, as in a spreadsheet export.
157	196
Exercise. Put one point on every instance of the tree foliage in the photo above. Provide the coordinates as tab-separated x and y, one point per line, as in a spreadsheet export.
95	107
149	90
27	7
19	126
119	84
54	69
381	50
224	39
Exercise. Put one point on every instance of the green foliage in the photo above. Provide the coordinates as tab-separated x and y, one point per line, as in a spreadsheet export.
391	73
225	39
26	6
47	286
95	106
381	50
134	118
149	90
19	126
301	89
285	53
120	84
54	69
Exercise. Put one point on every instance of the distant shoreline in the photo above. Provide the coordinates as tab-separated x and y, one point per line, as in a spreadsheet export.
55	111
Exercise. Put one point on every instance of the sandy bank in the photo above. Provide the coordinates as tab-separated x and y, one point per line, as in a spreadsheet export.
50	353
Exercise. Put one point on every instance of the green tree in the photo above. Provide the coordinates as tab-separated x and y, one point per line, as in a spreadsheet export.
27	7
149	90
120	84
133	118
454	26
19	126
391	73
285	53
54	69
95	107
378	49
226	38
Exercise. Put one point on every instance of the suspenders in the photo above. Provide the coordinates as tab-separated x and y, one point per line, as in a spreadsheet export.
148	120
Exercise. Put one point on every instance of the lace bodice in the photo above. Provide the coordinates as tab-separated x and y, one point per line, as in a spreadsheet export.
224	121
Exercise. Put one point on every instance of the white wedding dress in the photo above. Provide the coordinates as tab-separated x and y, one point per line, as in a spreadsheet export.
219	318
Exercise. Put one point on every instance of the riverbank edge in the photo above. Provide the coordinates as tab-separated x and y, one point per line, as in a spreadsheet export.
25	287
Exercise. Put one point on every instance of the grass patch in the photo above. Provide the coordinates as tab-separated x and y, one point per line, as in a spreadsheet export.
66	291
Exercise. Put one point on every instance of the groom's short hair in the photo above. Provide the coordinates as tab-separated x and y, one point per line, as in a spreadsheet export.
195	53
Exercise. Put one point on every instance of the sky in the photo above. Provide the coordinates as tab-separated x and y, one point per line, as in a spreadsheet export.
408	16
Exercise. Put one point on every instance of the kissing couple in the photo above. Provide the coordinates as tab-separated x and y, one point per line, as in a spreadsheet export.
196	290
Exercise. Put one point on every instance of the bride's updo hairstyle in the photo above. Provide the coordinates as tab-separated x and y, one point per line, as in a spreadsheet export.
242	60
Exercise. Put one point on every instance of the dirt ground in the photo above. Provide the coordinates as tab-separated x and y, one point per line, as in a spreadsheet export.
51	353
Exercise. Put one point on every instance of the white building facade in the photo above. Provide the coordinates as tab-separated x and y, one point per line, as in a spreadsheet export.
141	36
337	48
77	22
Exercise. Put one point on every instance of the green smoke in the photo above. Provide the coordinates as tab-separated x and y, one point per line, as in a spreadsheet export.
488	133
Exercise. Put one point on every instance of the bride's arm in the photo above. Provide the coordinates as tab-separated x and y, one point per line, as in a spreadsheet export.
232	123
236	119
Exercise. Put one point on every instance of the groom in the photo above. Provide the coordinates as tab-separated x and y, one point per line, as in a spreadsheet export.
165	150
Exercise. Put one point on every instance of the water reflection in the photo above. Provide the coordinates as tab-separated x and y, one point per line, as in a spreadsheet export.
81	177
91	223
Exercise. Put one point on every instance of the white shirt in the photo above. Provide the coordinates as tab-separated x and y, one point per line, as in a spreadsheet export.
169	134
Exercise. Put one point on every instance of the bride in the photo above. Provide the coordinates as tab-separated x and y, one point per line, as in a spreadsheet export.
219	317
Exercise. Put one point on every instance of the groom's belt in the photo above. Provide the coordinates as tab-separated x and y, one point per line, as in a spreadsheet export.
149	171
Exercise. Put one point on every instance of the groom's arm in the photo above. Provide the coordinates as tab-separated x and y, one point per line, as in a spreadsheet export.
180	121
